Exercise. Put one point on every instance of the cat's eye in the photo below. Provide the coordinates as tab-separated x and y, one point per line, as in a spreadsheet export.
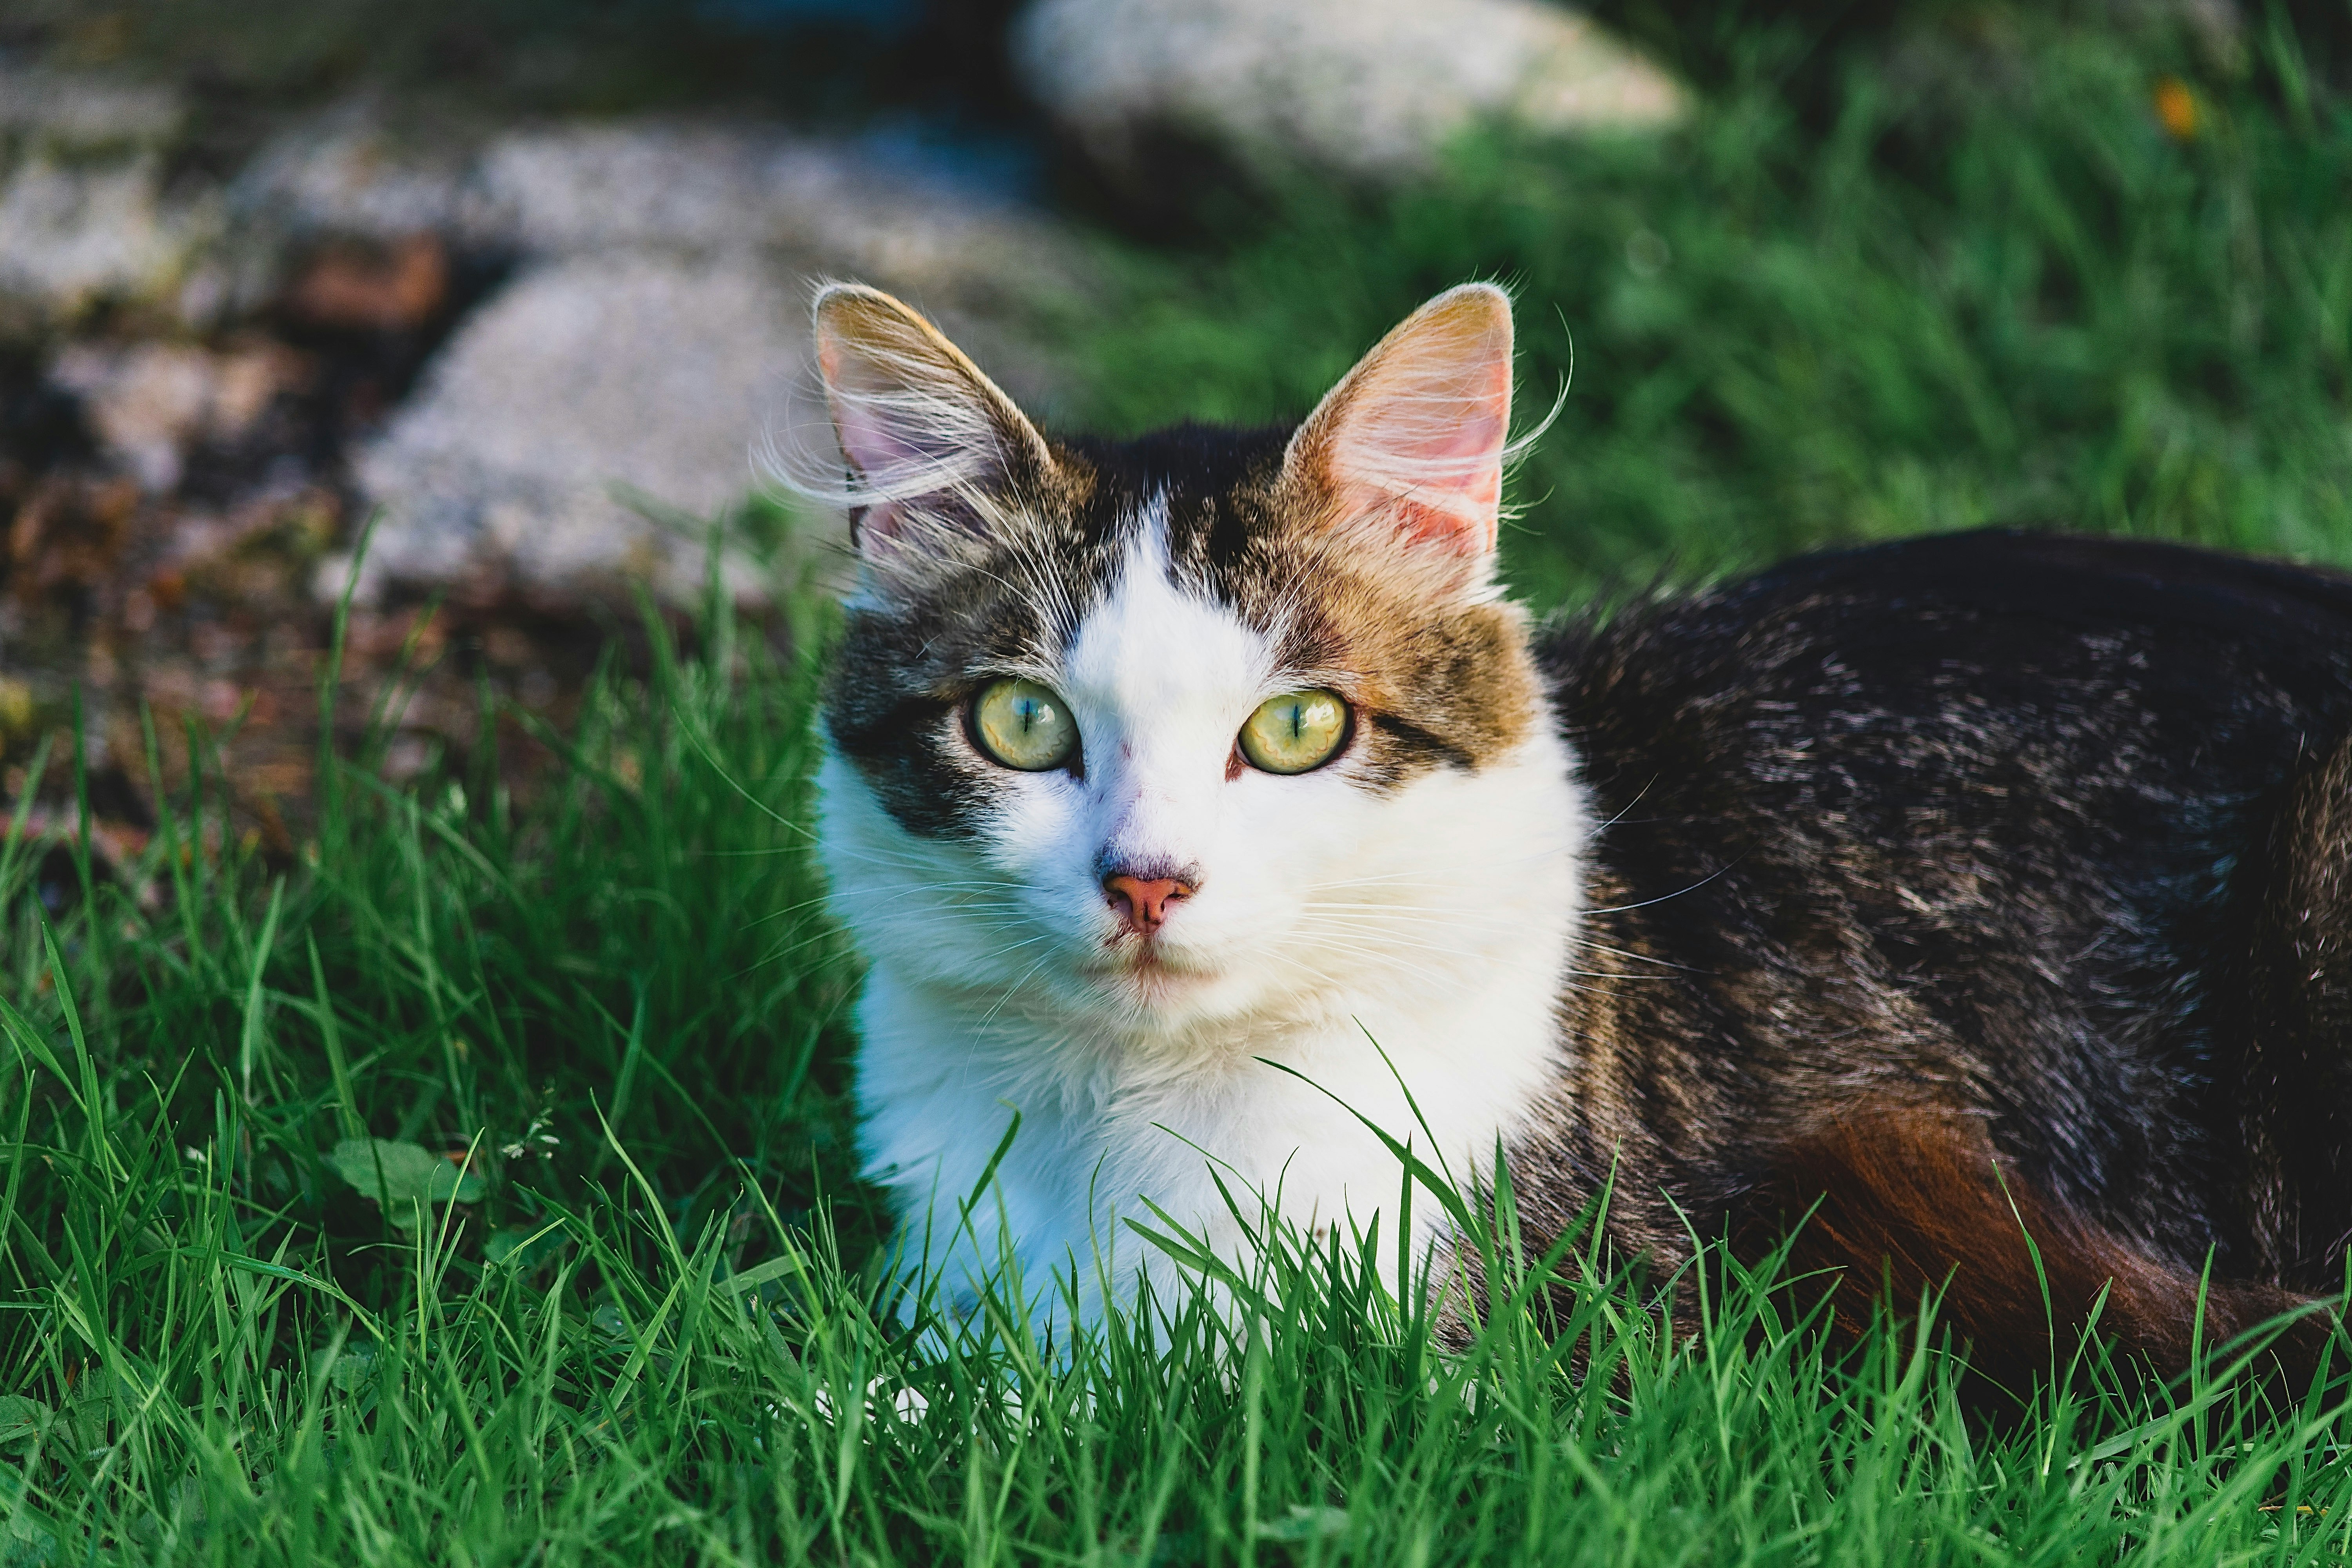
1024	725
1295	732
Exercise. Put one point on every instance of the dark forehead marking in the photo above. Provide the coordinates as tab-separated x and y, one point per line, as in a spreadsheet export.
1198	459
1079	527
1213	480
906	665
1212	485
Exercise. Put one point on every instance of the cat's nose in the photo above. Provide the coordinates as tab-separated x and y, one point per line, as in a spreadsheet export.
1142	903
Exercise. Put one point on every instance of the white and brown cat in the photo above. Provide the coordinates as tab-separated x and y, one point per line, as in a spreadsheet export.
1954	883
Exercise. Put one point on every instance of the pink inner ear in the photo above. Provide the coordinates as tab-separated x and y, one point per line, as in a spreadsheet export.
1419	440
867	437
871	444
912	426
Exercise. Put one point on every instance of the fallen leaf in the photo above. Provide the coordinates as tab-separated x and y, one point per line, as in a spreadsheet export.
403	1177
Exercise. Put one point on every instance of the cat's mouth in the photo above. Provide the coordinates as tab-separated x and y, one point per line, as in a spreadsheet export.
1148	966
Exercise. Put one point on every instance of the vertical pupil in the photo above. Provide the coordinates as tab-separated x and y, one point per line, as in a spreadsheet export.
1298	720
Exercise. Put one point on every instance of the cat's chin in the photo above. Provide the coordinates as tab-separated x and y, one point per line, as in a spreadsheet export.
1162	990
1175	996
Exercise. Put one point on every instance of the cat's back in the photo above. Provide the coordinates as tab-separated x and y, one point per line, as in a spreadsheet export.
1940	630
1982	810
1933	691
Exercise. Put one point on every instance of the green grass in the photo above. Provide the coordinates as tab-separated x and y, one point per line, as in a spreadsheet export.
648	1324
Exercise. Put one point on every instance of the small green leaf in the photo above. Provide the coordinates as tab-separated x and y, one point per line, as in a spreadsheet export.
1305	1523
403	1177
92	1419
354	1369
20	1419
522	1246
25	1544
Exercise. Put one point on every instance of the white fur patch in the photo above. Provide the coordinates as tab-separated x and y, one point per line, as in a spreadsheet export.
1436	919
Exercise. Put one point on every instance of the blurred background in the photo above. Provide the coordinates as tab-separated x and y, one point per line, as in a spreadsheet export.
514	289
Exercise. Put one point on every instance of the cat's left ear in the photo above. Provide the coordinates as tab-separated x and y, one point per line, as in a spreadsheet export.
1407	451
938	454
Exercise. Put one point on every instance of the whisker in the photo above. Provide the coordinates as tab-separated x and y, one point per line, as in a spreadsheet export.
1012	989
1646	903
1641	957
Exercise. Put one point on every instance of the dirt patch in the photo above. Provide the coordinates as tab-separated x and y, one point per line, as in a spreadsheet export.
165	506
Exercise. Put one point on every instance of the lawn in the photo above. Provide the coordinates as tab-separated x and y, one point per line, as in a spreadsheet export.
255	1311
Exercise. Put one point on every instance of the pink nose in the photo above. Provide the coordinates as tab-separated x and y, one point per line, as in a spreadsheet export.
1142	902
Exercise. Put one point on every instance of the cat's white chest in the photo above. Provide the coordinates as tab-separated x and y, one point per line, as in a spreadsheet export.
1096	1150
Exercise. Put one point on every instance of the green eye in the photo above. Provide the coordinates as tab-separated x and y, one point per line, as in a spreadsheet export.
1024	725
1292	733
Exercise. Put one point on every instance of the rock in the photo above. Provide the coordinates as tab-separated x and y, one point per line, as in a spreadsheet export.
1372	87
674	187
583	428
83	210
72	234
147	402
143	403
351	173
585	421
585	424
662	185
678	188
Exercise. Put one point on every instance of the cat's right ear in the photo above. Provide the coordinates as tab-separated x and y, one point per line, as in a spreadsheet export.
937	453
1405	456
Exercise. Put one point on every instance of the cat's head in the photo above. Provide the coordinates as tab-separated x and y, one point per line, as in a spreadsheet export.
1199	726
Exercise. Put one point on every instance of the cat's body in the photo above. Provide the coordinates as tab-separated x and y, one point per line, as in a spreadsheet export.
1953	884
1991	846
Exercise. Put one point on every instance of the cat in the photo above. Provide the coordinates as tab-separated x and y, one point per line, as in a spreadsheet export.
1922	896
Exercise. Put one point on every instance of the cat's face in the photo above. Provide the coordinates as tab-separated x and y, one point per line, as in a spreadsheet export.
1176	732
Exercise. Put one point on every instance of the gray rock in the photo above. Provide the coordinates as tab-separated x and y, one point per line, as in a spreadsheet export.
1372	88
709	188
147	401
584	427
586	423
670	186
83	212
73	233
350	173
587	427
678	187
